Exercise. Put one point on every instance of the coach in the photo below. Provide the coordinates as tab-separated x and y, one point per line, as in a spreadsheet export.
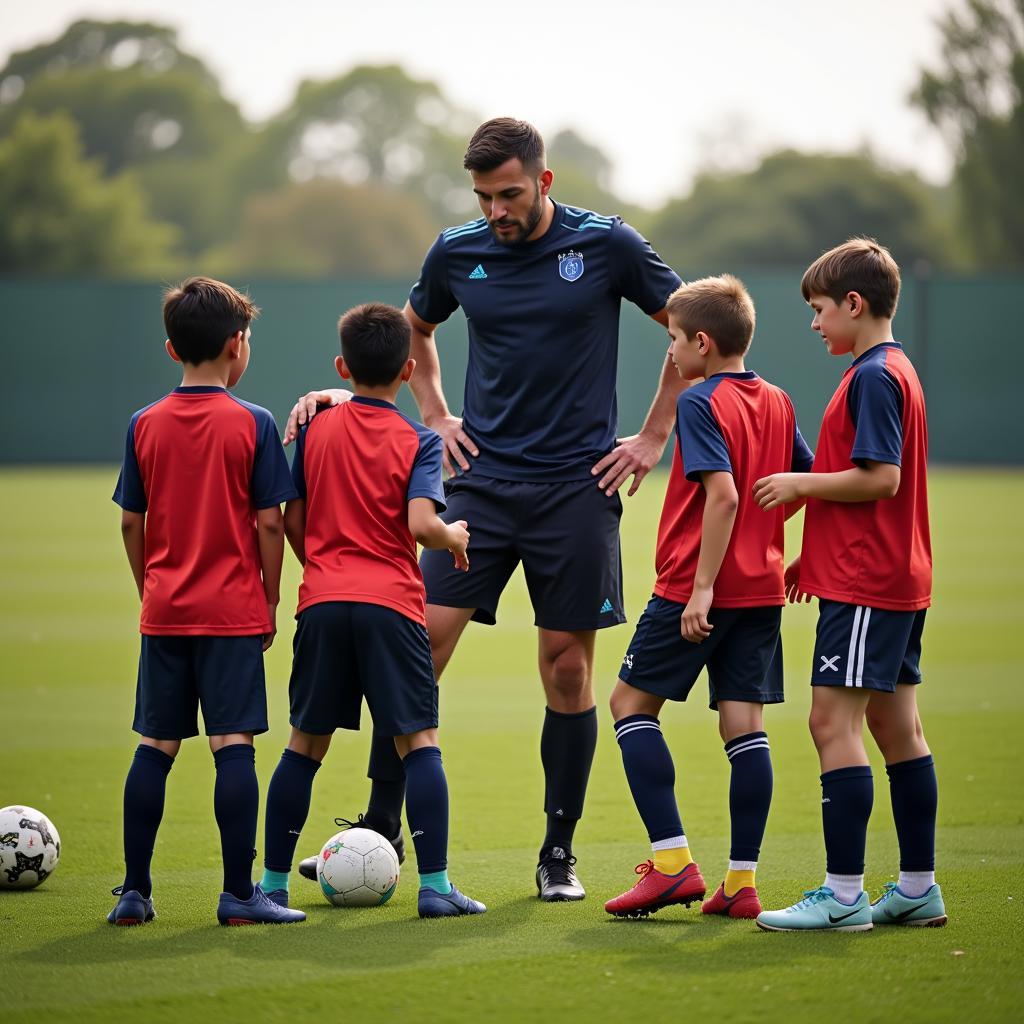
541	286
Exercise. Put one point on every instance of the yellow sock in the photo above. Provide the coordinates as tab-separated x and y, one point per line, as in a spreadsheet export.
671	862
736	880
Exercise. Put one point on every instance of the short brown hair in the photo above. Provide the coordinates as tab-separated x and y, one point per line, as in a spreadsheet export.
200	314
719	306
858	265
501	139
374	342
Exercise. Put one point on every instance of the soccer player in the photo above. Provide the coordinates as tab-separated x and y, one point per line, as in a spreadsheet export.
369	488
867	556
717	602
541	285
201	487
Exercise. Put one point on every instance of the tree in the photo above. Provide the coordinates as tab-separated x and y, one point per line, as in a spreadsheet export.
62	217
795	205
975	100
583	175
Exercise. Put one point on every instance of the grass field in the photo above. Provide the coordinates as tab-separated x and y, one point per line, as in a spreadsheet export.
68	647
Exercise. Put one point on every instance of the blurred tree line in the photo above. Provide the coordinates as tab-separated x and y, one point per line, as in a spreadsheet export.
119	155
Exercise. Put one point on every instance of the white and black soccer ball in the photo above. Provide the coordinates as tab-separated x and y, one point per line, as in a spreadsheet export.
357	868
29	847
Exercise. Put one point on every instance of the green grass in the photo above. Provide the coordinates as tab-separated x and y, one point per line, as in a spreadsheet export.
68	650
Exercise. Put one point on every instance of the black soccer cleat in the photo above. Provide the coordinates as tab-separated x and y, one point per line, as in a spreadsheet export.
556	879
307	867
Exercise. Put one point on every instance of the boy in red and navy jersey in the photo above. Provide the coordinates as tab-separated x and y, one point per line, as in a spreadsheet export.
717	601
369	488
201	487
867	557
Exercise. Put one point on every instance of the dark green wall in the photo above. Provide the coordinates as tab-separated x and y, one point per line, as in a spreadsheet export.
80	357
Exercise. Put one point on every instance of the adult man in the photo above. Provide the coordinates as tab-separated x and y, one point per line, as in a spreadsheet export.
541	285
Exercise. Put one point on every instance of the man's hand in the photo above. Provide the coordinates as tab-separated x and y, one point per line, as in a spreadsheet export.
456	443
268	638
305	409
793	592
458	541
694	624
638	455
778	489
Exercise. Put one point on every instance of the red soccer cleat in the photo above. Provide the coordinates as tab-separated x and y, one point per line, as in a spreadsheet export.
743	904
655	890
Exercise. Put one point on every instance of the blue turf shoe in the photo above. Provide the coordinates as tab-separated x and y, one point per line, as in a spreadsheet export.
455	904
132	908
259	908
278	896
894	906
819	910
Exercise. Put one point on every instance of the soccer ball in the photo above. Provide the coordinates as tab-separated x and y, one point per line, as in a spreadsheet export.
29	847
357	868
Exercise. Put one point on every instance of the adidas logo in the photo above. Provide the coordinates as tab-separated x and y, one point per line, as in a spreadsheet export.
478	273
606	607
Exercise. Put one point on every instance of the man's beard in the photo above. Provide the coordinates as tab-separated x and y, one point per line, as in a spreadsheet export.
533	218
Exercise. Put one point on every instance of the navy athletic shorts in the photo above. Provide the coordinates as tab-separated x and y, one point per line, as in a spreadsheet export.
868	648
179	674
743	654
566	535
347	650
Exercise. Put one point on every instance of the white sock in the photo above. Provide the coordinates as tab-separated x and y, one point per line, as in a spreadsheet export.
915	883
675	843
743	865
846	887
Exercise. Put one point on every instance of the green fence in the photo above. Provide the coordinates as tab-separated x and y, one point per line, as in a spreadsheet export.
81	356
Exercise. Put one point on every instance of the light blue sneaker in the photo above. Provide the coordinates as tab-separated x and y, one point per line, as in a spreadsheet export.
132	908
454	904
259	908
894	906
819	910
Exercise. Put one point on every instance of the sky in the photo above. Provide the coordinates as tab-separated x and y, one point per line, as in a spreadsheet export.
663	88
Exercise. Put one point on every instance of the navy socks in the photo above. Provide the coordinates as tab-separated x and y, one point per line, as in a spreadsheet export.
144	790
651	775
387	786
567	745
236	798
915	798
287	808
427	808
750	793
846	798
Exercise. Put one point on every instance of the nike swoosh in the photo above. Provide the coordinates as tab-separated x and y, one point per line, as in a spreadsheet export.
836	920
905	913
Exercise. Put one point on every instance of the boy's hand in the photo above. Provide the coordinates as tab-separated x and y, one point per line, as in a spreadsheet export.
778	489
268	638
458	541
694	624
305	409
793	592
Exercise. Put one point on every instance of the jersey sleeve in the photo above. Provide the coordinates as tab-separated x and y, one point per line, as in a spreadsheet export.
875	402
803	457
638	272
701	442
425	479
130	493
298	469
271	482
431	298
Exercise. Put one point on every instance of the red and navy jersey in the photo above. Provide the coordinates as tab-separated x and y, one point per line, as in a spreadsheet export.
199	463
873	553
358	465
735	423
543	321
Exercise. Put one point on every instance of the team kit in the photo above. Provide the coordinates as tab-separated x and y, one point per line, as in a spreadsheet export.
530	474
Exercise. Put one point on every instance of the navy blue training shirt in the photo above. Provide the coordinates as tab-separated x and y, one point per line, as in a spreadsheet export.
543	320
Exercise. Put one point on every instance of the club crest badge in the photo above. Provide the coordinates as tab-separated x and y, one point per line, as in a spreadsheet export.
570	265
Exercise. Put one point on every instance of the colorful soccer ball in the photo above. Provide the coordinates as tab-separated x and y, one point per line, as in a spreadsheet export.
29	847
357	868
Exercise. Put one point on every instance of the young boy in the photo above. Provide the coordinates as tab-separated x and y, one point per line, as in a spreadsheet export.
867	557
369	488
203	478
717	602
